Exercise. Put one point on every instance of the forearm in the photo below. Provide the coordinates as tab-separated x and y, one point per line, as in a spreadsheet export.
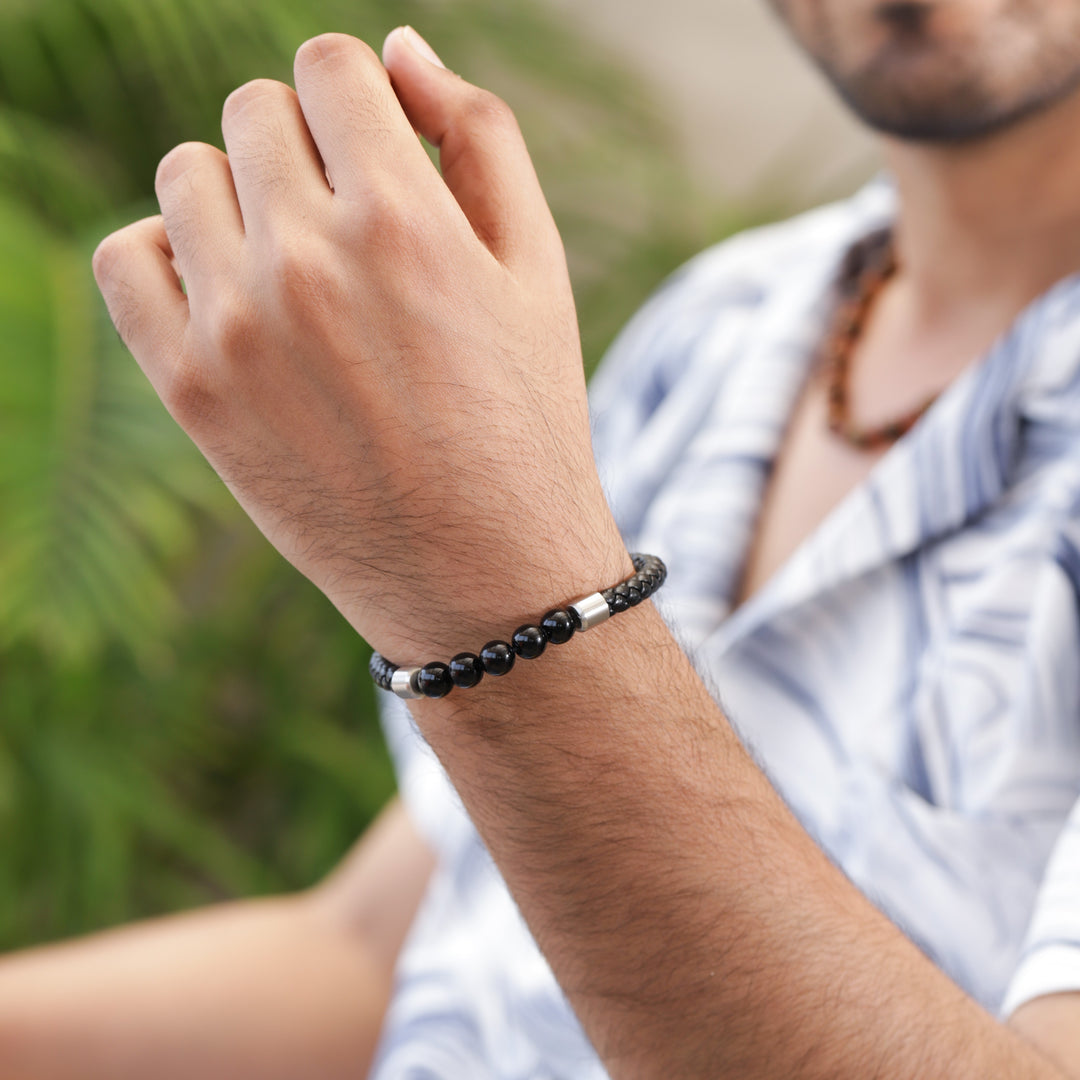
382	363
259	989
246	991
695	927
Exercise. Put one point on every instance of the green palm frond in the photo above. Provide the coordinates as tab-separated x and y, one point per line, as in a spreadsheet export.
60	176
182	717
90	466
131	78
92	92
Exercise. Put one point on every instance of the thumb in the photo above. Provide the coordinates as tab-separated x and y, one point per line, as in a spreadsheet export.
482	155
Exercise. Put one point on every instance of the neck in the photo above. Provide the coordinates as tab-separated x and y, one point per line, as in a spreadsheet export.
995	222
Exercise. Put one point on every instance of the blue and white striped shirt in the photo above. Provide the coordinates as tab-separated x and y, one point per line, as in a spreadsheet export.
909	679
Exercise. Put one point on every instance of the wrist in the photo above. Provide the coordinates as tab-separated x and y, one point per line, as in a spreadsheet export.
466	670
471	598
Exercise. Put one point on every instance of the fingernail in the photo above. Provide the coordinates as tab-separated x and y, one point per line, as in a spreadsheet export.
419	45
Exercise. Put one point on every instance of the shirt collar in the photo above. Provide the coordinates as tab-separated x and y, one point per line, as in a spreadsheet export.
957	461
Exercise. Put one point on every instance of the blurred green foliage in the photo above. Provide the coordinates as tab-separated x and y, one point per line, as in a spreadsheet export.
182	717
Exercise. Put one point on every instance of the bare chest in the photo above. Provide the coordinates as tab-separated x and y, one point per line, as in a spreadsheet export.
813	472
893	372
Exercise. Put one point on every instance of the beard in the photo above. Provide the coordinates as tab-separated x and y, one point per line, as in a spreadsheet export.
950	71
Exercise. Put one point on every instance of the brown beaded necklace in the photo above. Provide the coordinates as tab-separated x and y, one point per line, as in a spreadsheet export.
868	268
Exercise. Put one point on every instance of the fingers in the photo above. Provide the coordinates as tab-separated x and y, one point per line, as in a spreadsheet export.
134	272
346	121
364	138
200	213
276	167
481	152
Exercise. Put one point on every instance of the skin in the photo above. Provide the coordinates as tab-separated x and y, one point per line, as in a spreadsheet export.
942	70
1052	1023
986	223
374	364
269	989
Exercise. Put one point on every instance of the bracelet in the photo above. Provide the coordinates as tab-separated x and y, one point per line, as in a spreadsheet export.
558	626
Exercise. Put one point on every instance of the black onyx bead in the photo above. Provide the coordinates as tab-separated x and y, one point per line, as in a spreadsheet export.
497	657
434	680
558	627
466	670
529	642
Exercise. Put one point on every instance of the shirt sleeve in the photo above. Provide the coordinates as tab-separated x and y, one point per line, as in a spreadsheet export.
425	789
1050	963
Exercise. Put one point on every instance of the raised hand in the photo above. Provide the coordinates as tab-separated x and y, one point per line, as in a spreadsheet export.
381	363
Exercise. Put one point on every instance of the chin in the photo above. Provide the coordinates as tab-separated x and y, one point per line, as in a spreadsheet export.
942	70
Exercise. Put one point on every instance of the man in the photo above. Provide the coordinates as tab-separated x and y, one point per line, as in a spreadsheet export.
383	366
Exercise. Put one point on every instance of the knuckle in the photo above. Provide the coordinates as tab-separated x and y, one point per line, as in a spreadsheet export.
127	314
304	277
186	394
487	110
106	257
256	93
112	266
178	161
232	332
382	213
335	50
394	232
